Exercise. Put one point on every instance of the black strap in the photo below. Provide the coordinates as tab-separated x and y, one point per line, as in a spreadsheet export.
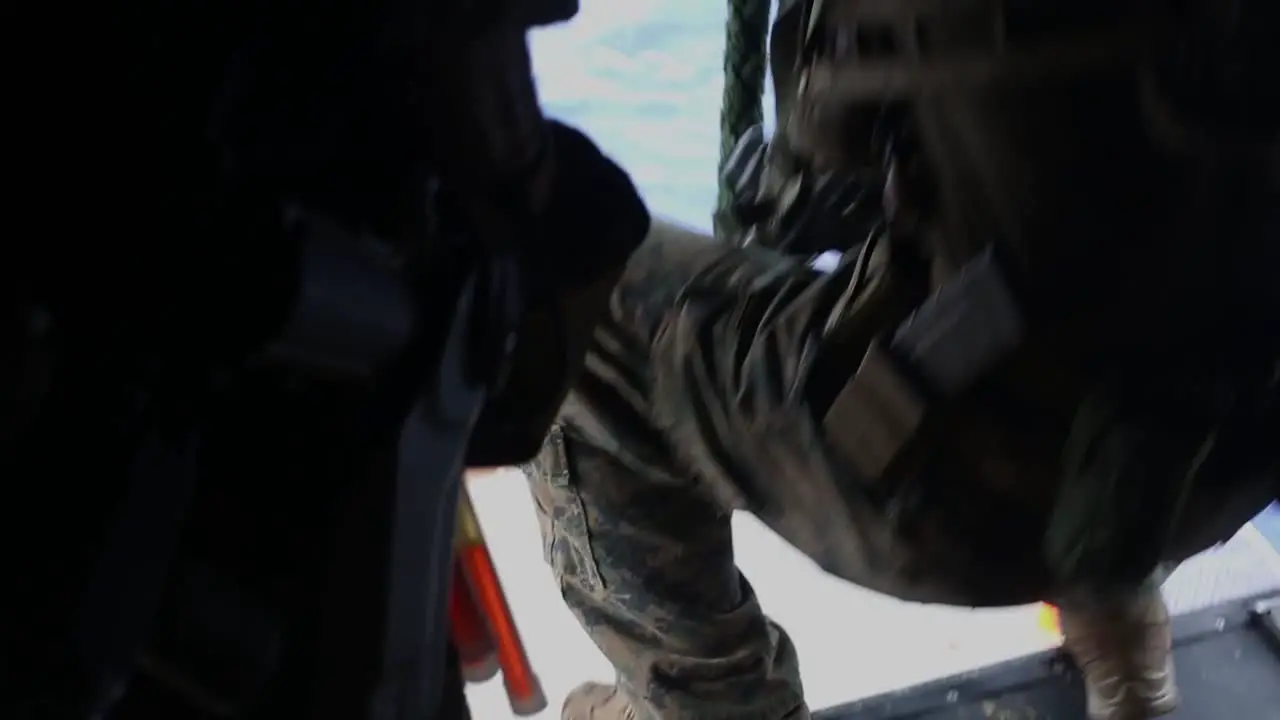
382	648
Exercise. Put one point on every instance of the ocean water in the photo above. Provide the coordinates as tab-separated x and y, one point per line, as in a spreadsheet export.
643	78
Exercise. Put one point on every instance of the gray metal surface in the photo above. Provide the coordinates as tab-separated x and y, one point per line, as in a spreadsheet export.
1243	566
1226	656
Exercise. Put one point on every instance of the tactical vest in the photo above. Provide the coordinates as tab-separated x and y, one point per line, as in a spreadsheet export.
1093	189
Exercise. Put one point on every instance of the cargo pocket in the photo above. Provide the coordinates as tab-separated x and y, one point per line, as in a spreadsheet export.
562	515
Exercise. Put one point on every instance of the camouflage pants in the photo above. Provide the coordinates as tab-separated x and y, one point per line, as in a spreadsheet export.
698	399
647	567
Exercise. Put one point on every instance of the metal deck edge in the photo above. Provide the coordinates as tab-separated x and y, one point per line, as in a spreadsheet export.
1218	589
1255	612
1245	565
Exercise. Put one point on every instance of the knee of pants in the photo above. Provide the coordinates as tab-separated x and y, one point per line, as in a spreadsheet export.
625	538
562	517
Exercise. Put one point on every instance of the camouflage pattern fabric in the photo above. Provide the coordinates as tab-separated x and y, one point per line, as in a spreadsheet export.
707	386
636	527
645	562
704	393
712	373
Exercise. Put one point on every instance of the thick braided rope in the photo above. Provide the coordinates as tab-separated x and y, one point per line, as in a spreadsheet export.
745	57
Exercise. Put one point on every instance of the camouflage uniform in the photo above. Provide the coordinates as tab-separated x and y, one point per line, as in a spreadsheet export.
704	393
638	539
716	384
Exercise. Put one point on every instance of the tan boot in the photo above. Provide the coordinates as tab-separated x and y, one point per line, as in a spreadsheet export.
1124	650
597	701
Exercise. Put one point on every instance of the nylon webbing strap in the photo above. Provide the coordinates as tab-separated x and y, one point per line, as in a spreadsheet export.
875	415
958	335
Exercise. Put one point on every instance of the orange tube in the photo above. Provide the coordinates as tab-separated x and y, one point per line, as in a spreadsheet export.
476	652
524	690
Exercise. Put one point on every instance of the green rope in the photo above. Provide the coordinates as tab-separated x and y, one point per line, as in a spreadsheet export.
745	57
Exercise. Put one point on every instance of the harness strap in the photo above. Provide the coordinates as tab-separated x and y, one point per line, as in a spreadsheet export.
966	328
